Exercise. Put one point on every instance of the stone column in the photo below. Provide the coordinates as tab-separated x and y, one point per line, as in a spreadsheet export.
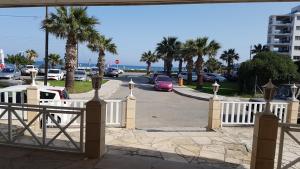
33	97
264	141
292	111
214	113
95	129
130	112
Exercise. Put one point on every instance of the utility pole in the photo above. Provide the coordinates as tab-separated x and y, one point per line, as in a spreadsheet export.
250	52
46	50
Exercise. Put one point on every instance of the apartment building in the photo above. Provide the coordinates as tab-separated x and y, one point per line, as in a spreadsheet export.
284	33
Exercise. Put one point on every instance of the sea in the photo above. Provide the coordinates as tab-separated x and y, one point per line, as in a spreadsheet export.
123	67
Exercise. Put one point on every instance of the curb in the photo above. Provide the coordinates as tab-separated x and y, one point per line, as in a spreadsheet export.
190	96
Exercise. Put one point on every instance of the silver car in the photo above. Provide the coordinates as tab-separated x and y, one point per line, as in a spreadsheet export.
10	74
80	75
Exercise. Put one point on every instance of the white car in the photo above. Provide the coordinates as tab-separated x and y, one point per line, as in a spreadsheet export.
80	75
28	69
55	74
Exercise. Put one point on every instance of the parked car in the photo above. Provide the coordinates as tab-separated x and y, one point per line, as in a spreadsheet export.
163	82
216	77
113	72
184	75
94	70
55	74
27	69
10	74
80	75
120	71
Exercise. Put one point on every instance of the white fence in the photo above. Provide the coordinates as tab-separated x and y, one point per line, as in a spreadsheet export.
13	132
14	97
115	110
243	113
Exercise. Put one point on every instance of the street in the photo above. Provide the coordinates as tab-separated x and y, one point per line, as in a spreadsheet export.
157	110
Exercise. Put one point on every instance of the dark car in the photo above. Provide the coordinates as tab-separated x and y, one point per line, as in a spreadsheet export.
113	72
284	92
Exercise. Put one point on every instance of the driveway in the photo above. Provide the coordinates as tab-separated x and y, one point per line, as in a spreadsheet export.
163	110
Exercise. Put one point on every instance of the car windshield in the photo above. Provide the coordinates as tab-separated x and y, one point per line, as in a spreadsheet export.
53	71
164	78
29	67
283	92
95	69
8	70
79	72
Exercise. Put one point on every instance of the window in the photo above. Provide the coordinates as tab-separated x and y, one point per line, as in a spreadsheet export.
297	47
298	17
296	57
297	27
297	37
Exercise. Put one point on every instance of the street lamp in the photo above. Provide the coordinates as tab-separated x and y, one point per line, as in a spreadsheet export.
216	87
269	90
131	86
294	91
33	73
96	86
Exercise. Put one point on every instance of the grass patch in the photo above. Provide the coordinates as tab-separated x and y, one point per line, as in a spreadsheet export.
226	89
79	86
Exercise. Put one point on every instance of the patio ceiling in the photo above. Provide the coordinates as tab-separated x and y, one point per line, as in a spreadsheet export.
20	3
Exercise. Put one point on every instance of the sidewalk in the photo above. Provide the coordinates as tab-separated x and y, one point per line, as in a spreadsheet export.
107	89
229	148
189	92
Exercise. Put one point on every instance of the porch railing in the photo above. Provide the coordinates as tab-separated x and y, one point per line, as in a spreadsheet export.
115	109
42	138
243	113
290	130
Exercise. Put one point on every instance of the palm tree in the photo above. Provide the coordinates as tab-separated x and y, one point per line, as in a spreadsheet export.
229	56
54	59
149	57
76	26
188	51
204	48
18	60
31	55
99	43
213	64
167	49
260	48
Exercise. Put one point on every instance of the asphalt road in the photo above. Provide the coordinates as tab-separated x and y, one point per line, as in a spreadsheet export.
163	110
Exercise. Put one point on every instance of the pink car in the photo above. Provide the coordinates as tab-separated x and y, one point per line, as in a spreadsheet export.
163	82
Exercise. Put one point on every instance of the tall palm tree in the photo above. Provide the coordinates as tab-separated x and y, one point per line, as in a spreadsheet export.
149	57
54	59
167	49
31	55
260	48
204	48
76	26
99	43
229	56
188	51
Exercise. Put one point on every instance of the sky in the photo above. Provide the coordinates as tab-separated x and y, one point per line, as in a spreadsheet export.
137	29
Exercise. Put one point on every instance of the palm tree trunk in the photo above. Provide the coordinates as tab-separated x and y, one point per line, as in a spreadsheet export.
70	60
165	65
169	66
199	65
190	70
101	65
180	66
148	68
228	68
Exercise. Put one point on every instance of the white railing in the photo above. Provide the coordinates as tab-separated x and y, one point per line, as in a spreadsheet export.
115	109
290	130
243	113
14	97
41	138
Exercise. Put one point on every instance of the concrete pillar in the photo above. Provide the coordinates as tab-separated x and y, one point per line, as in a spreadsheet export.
130	112
292	111
214	113
264	141
95	129
33	97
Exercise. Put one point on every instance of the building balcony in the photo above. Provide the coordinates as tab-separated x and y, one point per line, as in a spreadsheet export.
280	23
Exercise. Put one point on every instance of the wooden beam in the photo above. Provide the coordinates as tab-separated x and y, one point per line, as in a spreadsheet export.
33	3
